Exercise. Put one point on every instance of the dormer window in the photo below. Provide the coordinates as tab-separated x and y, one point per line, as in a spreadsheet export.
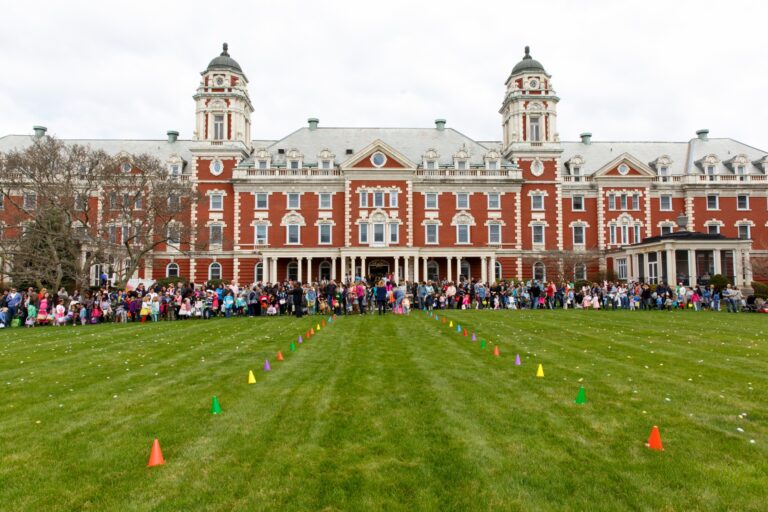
174	169
664	173
461	165
263	164
430	164
325	164
576	173
711	171
293	164
493	165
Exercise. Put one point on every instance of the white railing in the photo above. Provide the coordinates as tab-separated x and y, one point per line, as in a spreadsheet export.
713	178
286	173
469	173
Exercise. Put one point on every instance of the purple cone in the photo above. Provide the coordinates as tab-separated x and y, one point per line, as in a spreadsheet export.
300	340
517	360
266	365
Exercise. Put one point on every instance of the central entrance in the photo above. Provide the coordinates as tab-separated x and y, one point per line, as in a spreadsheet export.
378	269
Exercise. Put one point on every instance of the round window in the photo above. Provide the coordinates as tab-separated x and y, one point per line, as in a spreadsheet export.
126	167
378	159
220	81
217	167
537	168
623	169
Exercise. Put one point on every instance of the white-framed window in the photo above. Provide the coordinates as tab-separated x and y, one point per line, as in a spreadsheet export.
624	234
294	200
174	202
580	272
462	200
665	202
363	194
462	233
292	270
216	202
172	270
260	234
262	202
325	164
621	268
324	233
378	199
126	167
215	234
125	233
30	200
378	233
173	234
537	236
80	202
611	202
325	201
663	175
263	165
612	234
578	235
638	233
430	200
535	129
493	165
394	233
494	234
363	232
138	203
218	127
666	230
537	202
258	272
576	173
539	271
713	229
742	202
577	203
498	271
430	164
214	271
713	202
111	232
294	165
744	232
430	233
494	200
292	234
461	165
635	201
393	198
711	171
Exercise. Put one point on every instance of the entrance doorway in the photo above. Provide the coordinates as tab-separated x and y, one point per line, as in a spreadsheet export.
378	269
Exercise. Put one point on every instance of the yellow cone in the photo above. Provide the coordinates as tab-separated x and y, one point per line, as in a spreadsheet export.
317	328
540	371
450	324
251	378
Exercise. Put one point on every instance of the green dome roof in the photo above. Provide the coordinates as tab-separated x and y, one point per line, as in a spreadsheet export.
224	61
528	64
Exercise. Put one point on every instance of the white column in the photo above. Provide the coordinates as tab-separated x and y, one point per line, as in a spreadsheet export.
416	269
493	269
716	257
747	269
309	269
671	267
426	273
737	271
483	269
343	268
264	269
397	270
363	273
449	270
405	268
273	274
692	267
333	267
458	268
300	273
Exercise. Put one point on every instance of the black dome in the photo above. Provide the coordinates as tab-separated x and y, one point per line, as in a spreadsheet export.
528	64
224	61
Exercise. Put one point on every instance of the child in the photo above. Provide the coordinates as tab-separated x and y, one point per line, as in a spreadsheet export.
146	309
406	305
271	310
61	314
31	315
155	309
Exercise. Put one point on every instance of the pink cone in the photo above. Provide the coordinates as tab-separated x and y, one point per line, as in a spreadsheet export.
517	360
474	338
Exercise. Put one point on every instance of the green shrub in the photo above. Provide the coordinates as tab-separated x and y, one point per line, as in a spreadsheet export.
165	281
719	281
761	290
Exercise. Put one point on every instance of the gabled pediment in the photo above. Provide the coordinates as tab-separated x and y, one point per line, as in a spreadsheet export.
370	157
624	166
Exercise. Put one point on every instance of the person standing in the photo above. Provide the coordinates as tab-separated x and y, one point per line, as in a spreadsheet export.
297	295
381	297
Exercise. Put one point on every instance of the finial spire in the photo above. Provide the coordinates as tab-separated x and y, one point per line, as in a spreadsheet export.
226	47
527	52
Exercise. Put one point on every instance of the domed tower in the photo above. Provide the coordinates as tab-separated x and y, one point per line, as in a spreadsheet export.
223	108
529	110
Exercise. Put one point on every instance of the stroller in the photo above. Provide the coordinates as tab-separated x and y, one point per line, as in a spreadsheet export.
751	304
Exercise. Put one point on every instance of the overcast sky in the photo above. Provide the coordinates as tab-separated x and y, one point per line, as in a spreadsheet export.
623	70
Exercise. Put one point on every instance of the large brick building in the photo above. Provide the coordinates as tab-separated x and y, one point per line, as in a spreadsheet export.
427	202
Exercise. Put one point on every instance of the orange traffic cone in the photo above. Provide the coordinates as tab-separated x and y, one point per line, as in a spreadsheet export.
496	351
279	356
465	333
312	331
654	441
155	456
323	322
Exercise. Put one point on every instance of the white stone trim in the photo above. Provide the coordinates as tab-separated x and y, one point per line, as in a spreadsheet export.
293	217
463	217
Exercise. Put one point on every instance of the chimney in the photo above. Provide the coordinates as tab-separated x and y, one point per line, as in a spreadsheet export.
702	134
313	122
586	138
39	131
440	124
173	136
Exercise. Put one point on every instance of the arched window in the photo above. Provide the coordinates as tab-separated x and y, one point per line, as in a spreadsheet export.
465	274
258	273
539	271
172	270
498	273
433	270
325	271
580	272
214	271
292	271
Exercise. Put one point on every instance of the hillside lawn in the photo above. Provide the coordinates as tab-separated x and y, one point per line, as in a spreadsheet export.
392	413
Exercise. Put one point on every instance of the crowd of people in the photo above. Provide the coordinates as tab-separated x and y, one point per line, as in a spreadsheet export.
189	301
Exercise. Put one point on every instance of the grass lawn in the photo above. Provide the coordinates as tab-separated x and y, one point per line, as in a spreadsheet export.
389	413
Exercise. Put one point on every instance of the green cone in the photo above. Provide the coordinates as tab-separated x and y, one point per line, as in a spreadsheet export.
581	398
215	406
482	343
293	346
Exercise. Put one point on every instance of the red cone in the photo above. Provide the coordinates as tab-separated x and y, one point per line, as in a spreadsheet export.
654	441
156	455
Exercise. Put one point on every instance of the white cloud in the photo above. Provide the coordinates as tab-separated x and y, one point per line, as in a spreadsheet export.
623	70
